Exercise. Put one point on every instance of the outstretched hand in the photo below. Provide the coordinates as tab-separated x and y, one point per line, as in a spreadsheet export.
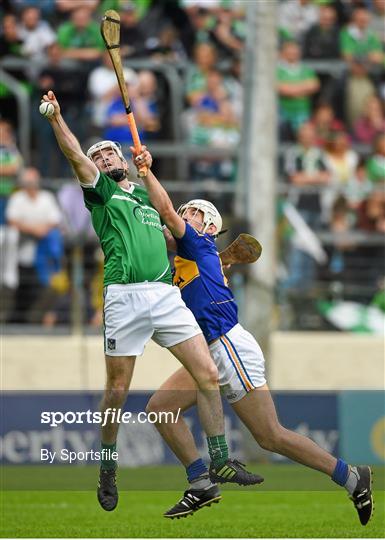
51	98
142	159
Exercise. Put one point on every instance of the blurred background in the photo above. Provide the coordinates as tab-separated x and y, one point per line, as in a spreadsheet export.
272	110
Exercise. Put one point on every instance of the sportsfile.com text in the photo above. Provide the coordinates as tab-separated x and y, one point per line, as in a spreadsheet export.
110	415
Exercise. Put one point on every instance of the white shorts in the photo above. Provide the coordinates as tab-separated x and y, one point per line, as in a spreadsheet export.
240	363
135	313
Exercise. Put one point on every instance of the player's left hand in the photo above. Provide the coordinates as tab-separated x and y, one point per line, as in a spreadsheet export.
143	159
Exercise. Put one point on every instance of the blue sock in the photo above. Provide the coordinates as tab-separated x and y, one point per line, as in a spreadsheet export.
341	473
195	469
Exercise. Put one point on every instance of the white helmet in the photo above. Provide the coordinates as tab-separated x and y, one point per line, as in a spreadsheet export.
102	145
211	216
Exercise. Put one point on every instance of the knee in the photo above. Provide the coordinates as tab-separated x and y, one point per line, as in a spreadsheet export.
207	377
272	438
116	391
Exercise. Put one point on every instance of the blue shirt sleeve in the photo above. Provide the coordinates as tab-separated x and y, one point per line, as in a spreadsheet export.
193	245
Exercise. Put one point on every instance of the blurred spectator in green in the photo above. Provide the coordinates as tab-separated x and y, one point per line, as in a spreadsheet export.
371	123
295	17
324	123
205	58
375	165
296	84
80	37
357	39
11	163
10	167
321	40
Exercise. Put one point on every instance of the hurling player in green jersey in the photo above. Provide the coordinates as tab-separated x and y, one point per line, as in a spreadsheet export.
140	302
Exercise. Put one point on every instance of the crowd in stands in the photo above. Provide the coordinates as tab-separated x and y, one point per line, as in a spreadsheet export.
330	96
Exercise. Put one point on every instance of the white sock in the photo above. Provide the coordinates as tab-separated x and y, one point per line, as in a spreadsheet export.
352	481
202	482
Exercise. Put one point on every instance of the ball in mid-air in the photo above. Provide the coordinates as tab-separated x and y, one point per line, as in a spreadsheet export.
46	109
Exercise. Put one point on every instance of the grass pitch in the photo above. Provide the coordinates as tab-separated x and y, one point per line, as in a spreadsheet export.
240	514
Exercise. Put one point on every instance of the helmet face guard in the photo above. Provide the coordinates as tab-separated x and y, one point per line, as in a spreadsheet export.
117	174
211	216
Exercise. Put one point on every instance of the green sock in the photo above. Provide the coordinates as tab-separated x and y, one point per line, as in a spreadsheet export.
218	450
107	462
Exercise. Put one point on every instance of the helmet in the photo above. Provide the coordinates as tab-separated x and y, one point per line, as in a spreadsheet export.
102	145
211	216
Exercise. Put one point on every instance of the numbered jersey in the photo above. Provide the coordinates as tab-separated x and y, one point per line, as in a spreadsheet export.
130	232
199	275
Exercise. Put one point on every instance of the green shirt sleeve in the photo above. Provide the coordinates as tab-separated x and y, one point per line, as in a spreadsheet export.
64	35
346	42
100	193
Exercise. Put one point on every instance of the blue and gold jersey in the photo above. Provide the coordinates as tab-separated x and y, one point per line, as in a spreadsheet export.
199	275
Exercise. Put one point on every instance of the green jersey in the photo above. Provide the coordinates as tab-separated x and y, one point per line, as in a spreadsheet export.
130	232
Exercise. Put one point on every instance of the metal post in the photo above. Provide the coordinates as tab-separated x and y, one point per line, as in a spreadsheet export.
257	180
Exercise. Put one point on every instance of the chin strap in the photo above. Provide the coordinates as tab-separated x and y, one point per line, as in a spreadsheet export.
117	174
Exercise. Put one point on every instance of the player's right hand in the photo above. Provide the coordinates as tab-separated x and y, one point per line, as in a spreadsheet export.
51	98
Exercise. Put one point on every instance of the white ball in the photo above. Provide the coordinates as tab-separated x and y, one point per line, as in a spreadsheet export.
46	109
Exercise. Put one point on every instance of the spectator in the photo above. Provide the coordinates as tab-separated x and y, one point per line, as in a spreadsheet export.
295	17
377	22
147	106
358	187
358	89
324	123
116	126
375	166
10	166
341	160
305	166
80	37
68	80
296	84
132	36
69	6
35	33
102	88
214	122
371	123
35	214
205	57
321	40
357	39
10	40
170	47
47	7
229	32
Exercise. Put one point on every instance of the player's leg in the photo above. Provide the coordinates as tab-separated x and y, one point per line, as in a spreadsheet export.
180	392
119	371
195	357
257	411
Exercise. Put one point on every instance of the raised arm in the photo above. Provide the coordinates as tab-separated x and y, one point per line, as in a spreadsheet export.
158	195
83	167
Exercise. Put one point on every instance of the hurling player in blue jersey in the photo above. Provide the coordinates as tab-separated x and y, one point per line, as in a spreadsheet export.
239	359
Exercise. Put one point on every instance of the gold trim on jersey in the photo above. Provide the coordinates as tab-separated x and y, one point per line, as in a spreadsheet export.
185	272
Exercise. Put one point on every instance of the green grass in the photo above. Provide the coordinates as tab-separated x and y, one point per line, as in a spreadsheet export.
241	513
